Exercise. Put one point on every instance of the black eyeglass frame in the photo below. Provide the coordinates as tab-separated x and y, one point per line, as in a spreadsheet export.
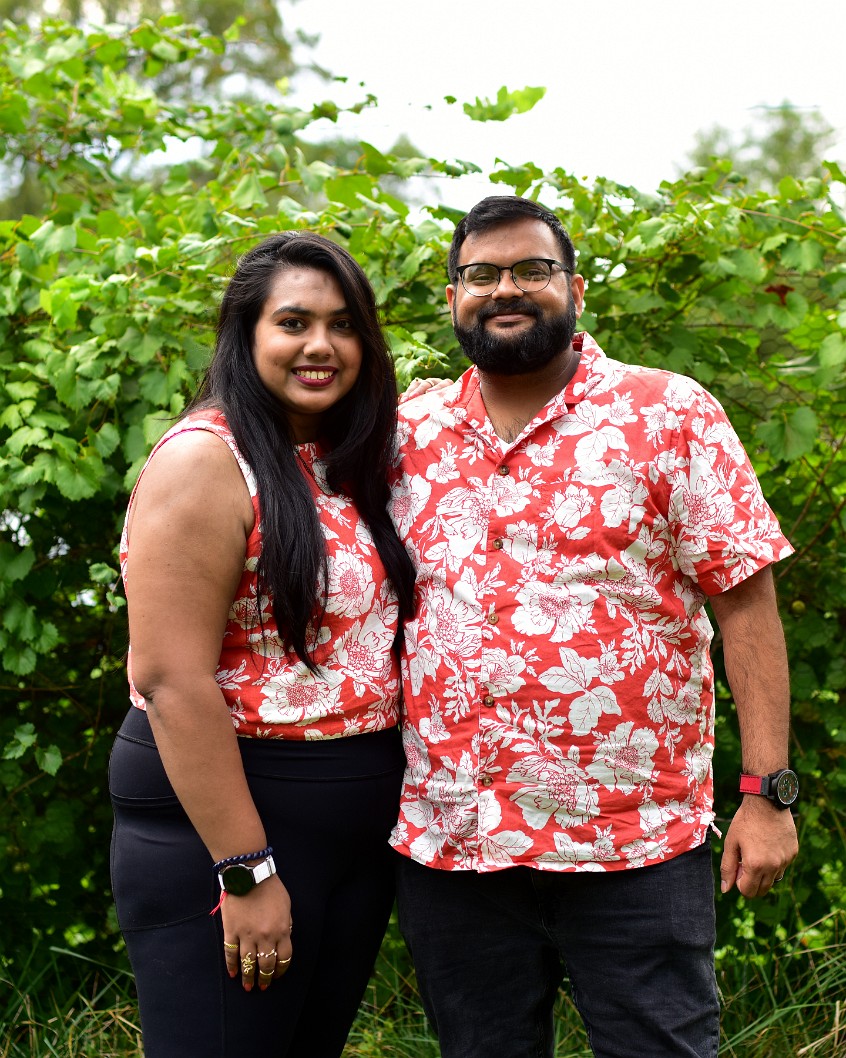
549	261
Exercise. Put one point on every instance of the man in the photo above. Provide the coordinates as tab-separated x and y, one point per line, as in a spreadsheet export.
569	516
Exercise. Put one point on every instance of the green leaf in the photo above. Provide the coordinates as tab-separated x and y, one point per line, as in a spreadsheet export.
803	254
49	760
833	350
51	238
16	564
23	739
79	480
507	103
790	437
248	193
101	573
346	189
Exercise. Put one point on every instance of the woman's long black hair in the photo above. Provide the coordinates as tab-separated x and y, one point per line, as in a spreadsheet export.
358	430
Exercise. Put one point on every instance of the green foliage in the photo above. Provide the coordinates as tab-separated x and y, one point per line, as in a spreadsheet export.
785	142
107	306
506	104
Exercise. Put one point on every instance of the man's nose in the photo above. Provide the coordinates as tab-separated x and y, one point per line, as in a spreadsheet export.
506	288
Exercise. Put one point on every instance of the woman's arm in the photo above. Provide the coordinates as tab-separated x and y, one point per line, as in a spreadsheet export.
188	529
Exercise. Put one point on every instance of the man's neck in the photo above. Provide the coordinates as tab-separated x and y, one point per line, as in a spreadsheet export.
512	401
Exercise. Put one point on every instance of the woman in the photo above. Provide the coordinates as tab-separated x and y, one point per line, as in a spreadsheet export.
265	586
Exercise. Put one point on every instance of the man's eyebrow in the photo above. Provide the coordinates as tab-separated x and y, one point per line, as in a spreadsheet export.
299	310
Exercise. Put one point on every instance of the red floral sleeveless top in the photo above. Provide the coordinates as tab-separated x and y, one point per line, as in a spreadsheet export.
269	691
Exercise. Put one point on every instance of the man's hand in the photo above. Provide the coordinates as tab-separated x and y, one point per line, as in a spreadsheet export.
760	844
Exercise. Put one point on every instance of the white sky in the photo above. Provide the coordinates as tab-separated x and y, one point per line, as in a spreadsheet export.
628	84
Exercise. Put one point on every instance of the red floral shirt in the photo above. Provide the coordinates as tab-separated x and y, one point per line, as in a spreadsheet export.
557	685
269	691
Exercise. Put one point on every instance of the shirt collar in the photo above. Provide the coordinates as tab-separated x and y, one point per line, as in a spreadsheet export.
469	406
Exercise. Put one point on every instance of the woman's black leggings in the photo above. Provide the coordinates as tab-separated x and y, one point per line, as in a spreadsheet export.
327	807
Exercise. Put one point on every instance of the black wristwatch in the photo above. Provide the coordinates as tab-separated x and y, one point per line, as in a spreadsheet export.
781	787
238	879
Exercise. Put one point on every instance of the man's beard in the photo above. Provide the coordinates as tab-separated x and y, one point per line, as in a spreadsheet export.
517	354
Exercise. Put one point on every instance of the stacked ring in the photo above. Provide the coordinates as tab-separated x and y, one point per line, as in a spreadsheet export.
265	973
266	954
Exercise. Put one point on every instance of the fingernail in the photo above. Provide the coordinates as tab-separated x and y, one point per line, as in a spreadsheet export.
724	887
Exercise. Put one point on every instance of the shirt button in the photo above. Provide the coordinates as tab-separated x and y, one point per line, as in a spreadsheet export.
502	471
486	780
497	544
493	618
489	700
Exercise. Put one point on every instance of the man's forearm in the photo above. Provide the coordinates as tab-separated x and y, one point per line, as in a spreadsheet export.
756	666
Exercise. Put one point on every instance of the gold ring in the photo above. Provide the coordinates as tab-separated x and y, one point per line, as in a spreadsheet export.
266	954
230	947
265	973
284	962
247	963
779	879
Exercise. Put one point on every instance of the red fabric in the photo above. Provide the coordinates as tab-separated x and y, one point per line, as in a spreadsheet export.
558	691
270	693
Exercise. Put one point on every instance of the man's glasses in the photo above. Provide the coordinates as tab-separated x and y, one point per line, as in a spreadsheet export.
530	276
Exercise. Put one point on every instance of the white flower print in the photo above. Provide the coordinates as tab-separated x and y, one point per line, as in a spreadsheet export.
228	679
581	855
298	696
432	727
623	759
542	455
558	610
658	418
697	764
552	786
350	587
567	510
409	497
363	655
446	469
574	676
462	518
501	671
498	847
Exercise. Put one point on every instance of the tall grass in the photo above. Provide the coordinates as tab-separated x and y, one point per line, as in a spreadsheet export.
784	1001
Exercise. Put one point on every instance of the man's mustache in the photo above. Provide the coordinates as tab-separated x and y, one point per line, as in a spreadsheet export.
526	308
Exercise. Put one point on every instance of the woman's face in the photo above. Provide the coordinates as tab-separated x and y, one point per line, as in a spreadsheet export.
305	347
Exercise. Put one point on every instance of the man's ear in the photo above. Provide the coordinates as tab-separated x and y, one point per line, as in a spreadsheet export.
450	295
577	289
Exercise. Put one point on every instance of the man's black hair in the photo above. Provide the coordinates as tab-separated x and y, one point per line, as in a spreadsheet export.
497	210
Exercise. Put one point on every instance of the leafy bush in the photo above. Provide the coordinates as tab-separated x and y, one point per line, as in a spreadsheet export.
107	303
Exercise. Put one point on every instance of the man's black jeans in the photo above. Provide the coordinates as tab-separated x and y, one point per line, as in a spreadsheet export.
491	951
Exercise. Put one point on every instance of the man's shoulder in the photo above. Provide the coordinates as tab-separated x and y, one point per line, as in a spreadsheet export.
607	375
442	408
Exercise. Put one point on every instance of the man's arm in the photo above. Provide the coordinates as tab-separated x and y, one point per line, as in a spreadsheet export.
761	840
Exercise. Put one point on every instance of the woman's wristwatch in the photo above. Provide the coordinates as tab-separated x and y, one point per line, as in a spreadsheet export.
238	879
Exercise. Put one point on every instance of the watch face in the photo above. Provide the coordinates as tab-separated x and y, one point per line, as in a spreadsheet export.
787	787
237	879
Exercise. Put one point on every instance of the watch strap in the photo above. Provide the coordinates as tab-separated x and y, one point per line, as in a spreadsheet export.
264	870
755	784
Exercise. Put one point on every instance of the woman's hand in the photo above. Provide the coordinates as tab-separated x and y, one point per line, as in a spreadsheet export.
257	933
418	386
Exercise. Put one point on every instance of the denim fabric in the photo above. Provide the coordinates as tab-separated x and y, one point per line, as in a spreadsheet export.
491	951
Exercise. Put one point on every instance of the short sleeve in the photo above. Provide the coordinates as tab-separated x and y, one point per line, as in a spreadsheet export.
722	527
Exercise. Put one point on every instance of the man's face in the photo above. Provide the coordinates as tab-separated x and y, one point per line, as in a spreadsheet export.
511	332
